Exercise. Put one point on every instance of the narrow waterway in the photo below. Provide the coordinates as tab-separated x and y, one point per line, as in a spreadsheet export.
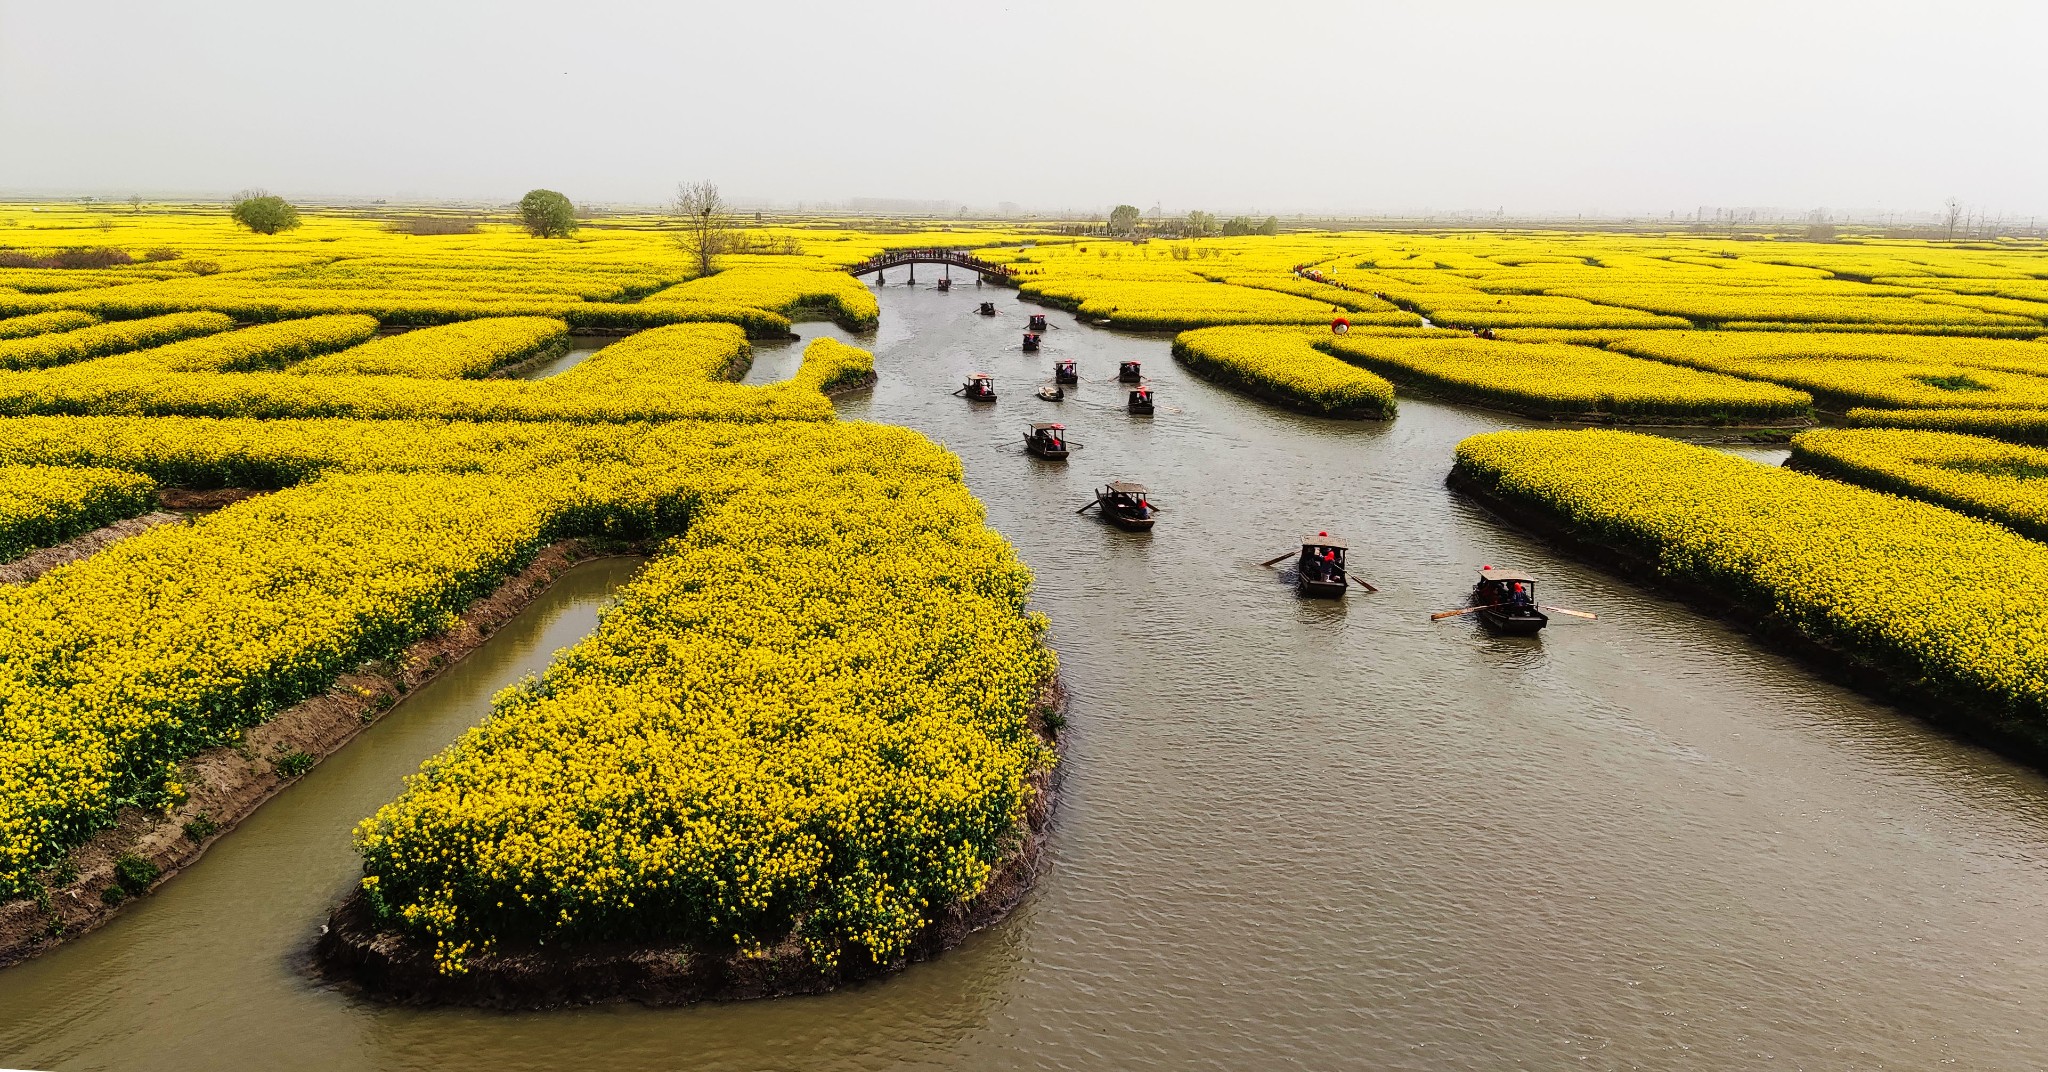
1294	834
581	347
208	972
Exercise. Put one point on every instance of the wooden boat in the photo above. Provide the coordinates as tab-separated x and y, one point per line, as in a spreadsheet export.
1037	322
980	387
1053	392
945	284
1320	570
1127	372
1507	602
1048	441
1065	372
1141	402
1125	505
988	308
1030	342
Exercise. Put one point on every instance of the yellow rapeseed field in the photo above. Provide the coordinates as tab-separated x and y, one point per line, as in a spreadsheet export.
842	297
2011	425
669	373
1923	591
1982	477
810	712
40	351
1562	379
20	327
1158	304
42	505
1841	379
462	350
809	717
1286	366
265	346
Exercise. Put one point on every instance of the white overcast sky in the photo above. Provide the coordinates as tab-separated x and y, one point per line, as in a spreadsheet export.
1271	105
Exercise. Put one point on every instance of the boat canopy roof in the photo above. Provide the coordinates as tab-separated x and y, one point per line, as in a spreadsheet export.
1505	575
980	376
1124	487
1324	541
1043	427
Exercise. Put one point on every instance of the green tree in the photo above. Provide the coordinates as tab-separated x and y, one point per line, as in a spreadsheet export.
1200	224
1123	219
264	213
1238	225
547	214
1271	226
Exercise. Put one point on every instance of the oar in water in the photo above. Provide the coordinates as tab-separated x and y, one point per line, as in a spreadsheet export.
1083	510
1573	613
1269	562
1362	584
1455	613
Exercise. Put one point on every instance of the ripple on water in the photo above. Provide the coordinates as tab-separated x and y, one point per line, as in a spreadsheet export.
1294	834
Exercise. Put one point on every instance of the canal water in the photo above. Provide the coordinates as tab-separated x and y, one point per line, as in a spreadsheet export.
1293	834
581	347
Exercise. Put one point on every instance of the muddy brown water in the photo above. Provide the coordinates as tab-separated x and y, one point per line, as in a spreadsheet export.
1294	834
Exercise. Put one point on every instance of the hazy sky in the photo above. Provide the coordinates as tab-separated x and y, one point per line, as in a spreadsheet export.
1267	105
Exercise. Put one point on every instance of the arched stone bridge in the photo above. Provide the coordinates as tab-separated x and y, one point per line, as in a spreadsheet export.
951	258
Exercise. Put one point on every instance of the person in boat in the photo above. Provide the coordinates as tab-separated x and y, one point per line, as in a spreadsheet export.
1519	595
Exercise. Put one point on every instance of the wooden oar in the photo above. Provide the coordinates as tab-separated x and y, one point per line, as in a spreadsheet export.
1455	613
1573	613
1269	562
1083	510
1362	584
